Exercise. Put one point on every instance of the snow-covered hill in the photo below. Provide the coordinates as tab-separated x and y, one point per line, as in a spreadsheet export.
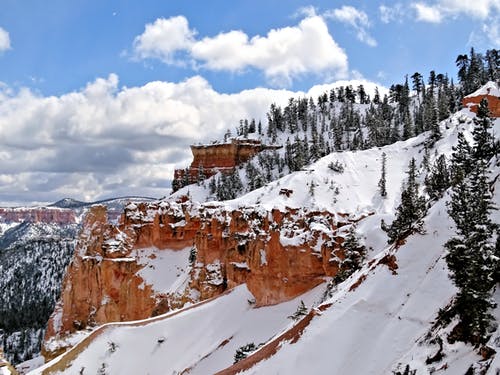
377	321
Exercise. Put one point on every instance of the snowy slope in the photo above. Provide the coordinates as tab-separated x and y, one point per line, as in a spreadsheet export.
202	338
165	271
355	190
366	331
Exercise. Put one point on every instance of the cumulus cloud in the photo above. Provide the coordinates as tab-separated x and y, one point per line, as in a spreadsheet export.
441	9
105	141
355	18
283	54
163	38
4	40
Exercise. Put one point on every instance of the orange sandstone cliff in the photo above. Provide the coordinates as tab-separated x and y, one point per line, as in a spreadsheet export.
279	255
218	157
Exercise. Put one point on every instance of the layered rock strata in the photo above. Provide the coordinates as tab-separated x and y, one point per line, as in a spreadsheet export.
278	254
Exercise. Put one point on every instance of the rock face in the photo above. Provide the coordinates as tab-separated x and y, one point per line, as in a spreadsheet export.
278	254
491	92
219	157
46	215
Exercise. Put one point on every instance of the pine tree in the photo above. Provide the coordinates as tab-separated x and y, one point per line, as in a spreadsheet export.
243	351
461	160
438	179
201	175
354	255
471	254
382	181
483	138
300	312
411	210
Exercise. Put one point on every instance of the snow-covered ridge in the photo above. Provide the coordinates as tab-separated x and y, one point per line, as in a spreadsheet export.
491	88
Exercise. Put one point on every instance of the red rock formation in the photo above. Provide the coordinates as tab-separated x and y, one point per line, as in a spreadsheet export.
279	255
219	157
491	92
47	215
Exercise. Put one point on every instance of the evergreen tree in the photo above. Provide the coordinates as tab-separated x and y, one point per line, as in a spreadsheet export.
300	312
411	210
243	351
493	65
201	175
382	181
354	252
484	140
431	118
438	179
461	160
471	254
462	63
417	82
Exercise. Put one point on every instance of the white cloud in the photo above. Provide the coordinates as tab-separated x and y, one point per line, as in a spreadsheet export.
107	141
441	9
356	19
474	8
4	40
391	13
492	31
163	38
283	54
427	13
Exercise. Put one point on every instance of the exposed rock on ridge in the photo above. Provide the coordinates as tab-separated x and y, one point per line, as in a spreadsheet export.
279	255
38	215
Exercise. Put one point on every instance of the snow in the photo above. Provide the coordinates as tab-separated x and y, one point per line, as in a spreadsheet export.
263	258
162	268
192	338
4	227
241	265
30	365
490	88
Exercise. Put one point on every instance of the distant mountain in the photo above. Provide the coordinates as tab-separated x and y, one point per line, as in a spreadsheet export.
68	203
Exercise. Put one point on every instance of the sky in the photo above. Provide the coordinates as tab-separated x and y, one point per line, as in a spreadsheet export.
102	98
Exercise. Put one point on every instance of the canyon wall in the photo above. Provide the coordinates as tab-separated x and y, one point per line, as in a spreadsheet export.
46	215
279	255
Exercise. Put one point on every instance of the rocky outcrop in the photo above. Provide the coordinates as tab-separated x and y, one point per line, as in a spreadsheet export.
219	157
47	215
279	255
491	92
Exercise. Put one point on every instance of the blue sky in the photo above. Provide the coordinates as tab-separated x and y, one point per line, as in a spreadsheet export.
94	92
59	46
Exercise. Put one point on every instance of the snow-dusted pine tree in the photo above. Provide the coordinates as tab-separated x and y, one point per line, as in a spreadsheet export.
472	252
410	211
